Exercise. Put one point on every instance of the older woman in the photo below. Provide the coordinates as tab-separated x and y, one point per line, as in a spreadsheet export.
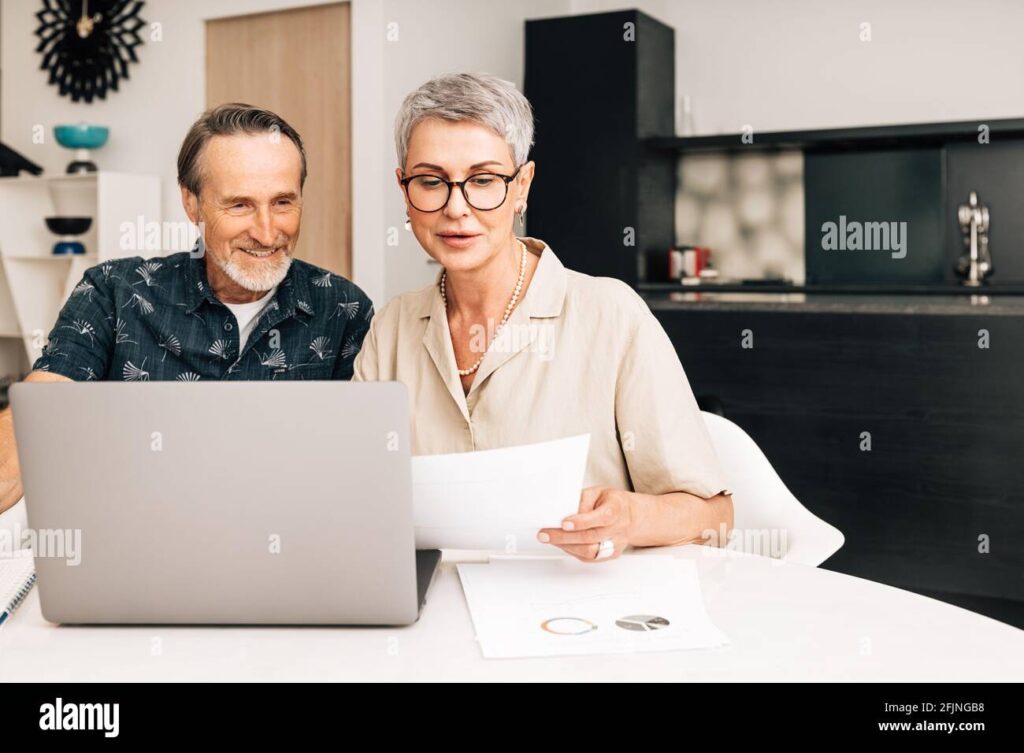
509	347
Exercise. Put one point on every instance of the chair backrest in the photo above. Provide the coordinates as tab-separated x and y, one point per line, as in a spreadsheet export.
767	518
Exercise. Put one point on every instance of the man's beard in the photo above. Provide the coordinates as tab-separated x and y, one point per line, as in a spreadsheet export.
257	276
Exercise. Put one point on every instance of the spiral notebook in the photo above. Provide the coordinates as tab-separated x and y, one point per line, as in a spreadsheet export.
17	575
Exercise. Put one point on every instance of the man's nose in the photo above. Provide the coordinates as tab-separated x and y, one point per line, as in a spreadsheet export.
262	230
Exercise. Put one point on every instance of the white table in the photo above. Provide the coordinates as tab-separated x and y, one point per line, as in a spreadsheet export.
785	622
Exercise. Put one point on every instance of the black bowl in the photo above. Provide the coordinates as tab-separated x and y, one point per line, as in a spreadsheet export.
69	225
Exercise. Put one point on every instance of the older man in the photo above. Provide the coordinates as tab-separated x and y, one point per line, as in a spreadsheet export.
236	307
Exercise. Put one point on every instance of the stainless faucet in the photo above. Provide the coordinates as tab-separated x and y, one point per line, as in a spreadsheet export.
976	262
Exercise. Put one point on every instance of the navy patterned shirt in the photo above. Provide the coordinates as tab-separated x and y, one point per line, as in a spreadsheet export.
138	320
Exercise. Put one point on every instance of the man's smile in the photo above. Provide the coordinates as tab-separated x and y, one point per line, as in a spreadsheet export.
260	253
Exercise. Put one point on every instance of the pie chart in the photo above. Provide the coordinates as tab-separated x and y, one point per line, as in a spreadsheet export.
642	622
568	626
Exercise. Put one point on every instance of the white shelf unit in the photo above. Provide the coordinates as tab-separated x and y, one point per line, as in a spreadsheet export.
33	282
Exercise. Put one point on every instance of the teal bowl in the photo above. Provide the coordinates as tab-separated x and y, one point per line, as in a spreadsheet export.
81	136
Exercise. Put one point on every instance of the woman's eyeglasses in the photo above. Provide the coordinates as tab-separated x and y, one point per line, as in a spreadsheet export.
483	191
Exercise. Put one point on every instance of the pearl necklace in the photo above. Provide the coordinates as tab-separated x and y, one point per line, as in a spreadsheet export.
508	309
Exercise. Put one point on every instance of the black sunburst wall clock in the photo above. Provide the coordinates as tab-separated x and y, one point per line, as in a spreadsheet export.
87	45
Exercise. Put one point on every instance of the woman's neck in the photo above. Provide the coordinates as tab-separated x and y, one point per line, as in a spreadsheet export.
483	293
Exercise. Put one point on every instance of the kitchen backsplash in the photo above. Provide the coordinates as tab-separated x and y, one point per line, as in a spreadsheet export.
748	209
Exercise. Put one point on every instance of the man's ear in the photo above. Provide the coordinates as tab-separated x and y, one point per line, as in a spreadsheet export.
190	203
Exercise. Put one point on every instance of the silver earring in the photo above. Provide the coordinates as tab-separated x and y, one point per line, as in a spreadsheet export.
408	223
519	216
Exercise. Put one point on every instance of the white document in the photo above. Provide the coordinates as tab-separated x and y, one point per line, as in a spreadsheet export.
560	606
497	499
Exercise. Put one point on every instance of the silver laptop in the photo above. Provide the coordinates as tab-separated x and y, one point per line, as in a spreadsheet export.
222	503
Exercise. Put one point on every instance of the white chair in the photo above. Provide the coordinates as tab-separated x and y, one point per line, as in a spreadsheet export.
768	519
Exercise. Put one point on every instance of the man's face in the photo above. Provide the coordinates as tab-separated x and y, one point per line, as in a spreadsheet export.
251	205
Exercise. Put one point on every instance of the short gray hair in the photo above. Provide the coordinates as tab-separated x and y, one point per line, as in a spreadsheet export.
476	97
228	120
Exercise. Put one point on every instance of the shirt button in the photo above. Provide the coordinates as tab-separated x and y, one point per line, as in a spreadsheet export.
227	326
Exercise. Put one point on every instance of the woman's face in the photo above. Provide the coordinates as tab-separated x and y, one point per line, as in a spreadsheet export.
458	236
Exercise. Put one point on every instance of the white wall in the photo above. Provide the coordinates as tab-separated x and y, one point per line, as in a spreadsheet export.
774	65
151	113
798	64
434	38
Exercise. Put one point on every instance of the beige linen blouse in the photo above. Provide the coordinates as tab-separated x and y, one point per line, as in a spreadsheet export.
579	354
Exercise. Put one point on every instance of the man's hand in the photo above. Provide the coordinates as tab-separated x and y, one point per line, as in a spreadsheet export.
605	515
10	470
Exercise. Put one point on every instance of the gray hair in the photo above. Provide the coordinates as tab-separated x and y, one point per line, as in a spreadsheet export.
476	97
228	120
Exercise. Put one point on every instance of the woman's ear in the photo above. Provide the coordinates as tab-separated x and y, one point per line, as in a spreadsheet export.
399	174
525	179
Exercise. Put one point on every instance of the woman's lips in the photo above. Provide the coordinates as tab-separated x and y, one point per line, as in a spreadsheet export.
461	240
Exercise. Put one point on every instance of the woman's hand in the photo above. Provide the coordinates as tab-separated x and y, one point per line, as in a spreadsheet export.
605	515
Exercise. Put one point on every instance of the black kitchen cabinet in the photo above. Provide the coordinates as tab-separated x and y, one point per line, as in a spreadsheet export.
598	84
944	477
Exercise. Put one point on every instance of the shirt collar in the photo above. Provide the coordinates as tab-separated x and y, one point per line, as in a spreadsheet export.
197	286
294	287
544	297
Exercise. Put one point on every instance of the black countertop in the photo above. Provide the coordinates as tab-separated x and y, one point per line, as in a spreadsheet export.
875	288
855	303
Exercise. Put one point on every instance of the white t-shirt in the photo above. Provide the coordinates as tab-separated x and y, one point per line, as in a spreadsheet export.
247	314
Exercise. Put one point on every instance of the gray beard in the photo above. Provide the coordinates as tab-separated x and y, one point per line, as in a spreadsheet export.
258	282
